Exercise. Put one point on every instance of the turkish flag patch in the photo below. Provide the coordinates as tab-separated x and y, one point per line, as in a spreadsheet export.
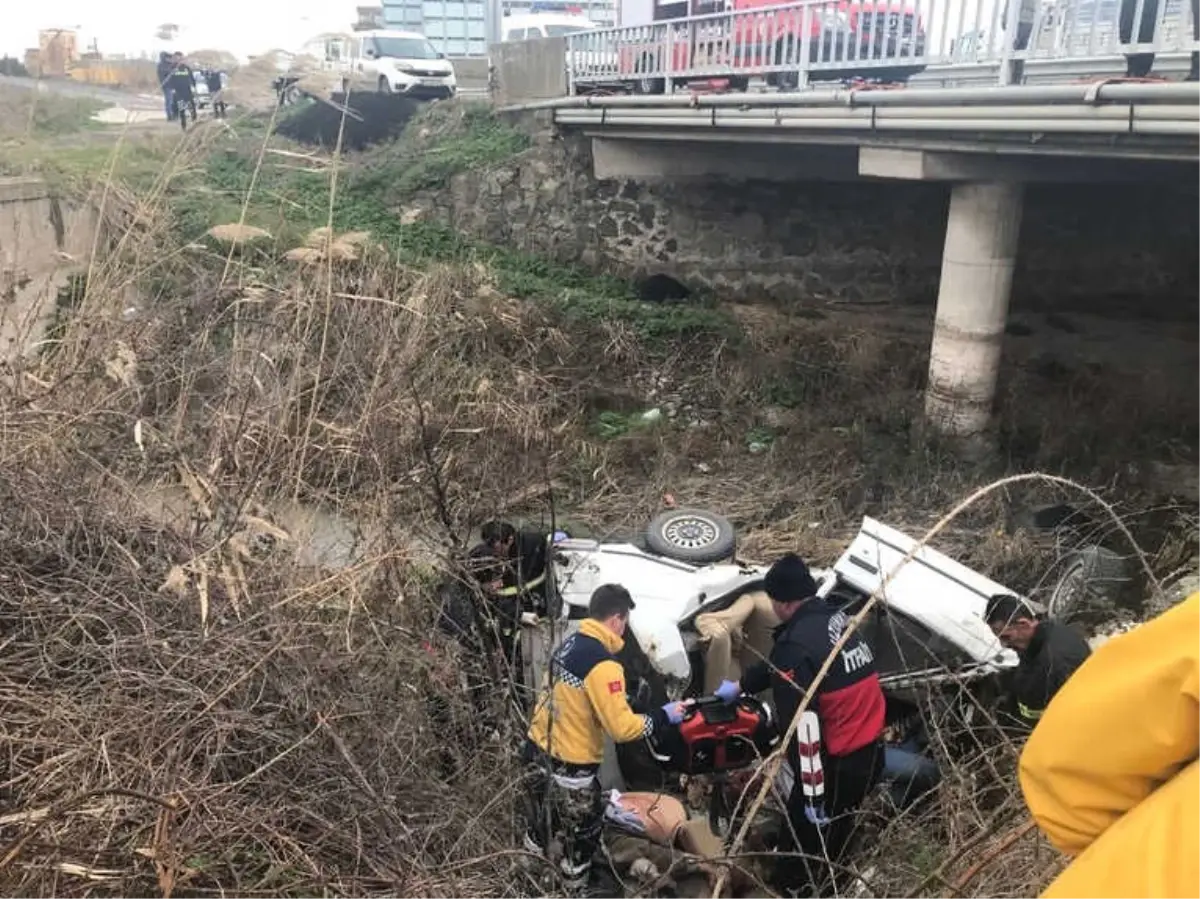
614	686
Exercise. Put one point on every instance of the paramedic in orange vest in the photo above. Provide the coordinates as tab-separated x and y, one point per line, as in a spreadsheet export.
565	744
1110	771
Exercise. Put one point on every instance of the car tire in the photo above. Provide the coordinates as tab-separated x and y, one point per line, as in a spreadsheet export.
784	49
1090	584
384	86
692	536
648	85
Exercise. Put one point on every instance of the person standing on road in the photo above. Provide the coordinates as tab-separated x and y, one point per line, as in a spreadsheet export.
1112	772
215	83
183	86
1139	65
163	70
1049	653
837	756
565	743
1019	33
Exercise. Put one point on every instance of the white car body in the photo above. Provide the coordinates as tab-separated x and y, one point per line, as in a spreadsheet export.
543	24
395	62
534	26
931	589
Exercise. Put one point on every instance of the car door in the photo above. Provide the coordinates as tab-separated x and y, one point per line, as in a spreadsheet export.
364	70
907	653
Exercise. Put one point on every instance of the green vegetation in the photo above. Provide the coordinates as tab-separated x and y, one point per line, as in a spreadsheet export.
208	185
26	112
441	141
289	203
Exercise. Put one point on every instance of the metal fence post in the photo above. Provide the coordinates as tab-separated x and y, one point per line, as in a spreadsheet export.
805	51
1009	32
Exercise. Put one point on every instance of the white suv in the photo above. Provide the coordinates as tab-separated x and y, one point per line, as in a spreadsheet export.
400	62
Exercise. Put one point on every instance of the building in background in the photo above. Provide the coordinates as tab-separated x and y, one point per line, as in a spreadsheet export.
368	18
465	27
602	12
58	49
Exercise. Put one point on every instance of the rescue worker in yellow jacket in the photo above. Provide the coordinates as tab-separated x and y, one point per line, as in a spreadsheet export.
1110	772
584	701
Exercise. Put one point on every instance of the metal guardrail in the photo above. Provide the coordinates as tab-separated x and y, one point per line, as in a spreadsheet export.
792	44
1153	111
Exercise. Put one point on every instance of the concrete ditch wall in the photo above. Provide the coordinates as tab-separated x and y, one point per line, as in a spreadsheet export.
44	240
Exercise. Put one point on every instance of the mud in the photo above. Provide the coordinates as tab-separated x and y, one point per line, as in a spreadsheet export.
375	118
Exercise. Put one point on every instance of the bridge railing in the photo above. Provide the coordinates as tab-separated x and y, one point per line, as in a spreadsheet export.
794	43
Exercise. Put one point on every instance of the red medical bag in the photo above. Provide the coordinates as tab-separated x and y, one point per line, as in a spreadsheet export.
715	736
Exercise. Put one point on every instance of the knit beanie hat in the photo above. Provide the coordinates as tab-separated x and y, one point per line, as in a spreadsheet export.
788	580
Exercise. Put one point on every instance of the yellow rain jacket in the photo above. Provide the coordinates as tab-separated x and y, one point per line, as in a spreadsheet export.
586	699
1110	772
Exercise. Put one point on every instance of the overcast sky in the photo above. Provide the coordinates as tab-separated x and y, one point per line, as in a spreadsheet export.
127	26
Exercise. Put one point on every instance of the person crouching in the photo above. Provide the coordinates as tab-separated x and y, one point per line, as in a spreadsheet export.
563	749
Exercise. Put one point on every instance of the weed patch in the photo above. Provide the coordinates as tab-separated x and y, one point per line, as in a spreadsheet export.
28	112
442	141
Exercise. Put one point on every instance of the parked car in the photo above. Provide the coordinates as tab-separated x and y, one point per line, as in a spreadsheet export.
398	62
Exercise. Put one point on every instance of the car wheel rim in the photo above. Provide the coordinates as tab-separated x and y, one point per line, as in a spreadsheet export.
690	532
1069	594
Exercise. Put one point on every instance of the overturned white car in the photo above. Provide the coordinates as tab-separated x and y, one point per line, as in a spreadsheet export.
929	624
927	634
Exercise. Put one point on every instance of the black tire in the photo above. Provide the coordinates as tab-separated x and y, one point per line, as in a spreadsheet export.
1090	584
384	86
692	536
739	83
648	86
785	49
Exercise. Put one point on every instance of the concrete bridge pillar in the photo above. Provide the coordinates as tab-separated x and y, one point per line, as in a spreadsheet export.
972	306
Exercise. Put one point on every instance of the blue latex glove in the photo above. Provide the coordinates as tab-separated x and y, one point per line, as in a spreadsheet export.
729	691
816	816
673	711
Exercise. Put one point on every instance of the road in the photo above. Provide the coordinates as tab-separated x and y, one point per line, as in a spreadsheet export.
69	88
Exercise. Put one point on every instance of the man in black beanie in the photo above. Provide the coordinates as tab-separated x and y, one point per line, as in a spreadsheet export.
836	756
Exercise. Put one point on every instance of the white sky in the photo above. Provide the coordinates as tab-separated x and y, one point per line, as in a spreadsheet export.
127	26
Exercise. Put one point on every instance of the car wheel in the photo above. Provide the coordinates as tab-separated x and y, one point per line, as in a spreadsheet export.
691	535
1090	584
785	54
648	85
385	86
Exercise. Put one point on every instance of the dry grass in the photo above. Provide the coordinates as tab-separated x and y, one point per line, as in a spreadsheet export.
189	706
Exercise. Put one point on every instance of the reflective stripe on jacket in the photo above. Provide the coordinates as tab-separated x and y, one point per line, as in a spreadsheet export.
527	571
586	699
1110	772
1053	655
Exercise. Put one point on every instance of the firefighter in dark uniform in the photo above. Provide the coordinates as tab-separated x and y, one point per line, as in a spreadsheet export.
469	658
526	555
837	756
520	588
183	86
565	744
1049	653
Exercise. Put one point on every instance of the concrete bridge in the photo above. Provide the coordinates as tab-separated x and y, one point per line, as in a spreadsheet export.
986	117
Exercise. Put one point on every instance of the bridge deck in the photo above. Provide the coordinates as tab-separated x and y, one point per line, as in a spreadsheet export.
1136	121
